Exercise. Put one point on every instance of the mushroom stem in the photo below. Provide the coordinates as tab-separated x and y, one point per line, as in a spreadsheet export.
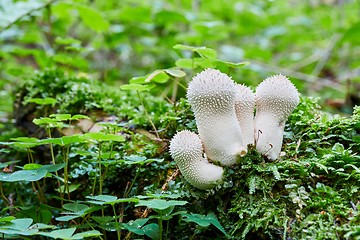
186	149
276	97
211	95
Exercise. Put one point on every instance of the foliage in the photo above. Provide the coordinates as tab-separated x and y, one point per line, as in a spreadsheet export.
86	158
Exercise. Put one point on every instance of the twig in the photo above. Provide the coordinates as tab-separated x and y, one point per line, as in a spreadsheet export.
171	178
303	76
305	62
148	116
326	55
26	14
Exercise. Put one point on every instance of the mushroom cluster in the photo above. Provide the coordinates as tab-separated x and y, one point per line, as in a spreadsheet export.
224	115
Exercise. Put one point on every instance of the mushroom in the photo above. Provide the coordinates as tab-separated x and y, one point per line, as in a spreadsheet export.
275	99
244	107
186	149
211	95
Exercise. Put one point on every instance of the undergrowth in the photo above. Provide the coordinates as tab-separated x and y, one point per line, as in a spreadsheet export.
116	179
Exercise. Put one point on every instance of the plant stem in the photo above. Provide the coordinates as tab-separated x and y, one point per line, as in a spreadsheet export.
100	172
147	115
53	161
118	231
66	173
132	182
160	227
3	196
91	227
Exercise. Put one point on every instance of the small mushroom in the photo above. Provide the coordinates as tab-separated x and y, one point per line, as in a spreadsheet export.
244	107
275	99
186	149
211	95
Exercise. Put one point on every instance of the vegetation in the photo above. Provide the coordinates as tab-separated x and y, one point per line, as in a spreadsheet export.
91	93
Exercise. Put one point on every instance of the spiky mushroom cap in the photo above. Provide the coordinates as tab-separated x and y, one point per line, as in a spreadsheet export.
275	98
244	107
211	95
186	149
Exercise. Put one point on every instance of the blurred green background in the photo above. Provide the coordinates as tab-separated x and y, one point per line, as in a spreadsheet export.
314	42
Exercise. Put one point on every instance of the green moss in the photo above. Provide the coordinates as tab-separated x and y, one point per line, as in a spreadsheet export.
309	193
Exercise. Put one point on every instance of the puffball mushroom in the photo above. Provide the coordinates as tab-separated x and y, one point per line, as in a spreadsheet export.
211	95
186	149
275	99
244	108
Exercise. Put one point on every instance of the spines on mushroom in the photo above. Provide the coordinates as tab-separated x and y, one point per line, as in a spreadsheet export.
276	97
244	107
186	149
211	95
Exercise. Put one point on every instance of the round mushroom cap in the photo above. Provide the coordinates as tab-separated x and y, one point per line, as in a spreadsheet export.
185	145
245	98
244	107
211	91
186	150
277	95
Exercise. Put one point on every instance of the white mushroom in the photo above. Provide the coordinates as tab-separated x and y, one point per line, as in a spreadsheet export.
276	97
244	107
212	98
186	149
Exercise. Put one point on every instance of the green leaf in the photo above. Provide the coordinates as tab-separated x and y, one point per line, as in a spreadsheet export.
204	221
42	101
65	140
56	141
7	219
46	121
24	142
54	167
92	18
352	33
338	148
152	230
160	204
19	227
135	159
136	226
40	214
137	87
67	41
75	207
189	63
137	80
91	233
24	175
207	53
154	74
25	139
99	136
21	224
79	116
219	63
61	233
186	47
76	210
108	199
161	77
175	72
61	117
202	50
32	166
